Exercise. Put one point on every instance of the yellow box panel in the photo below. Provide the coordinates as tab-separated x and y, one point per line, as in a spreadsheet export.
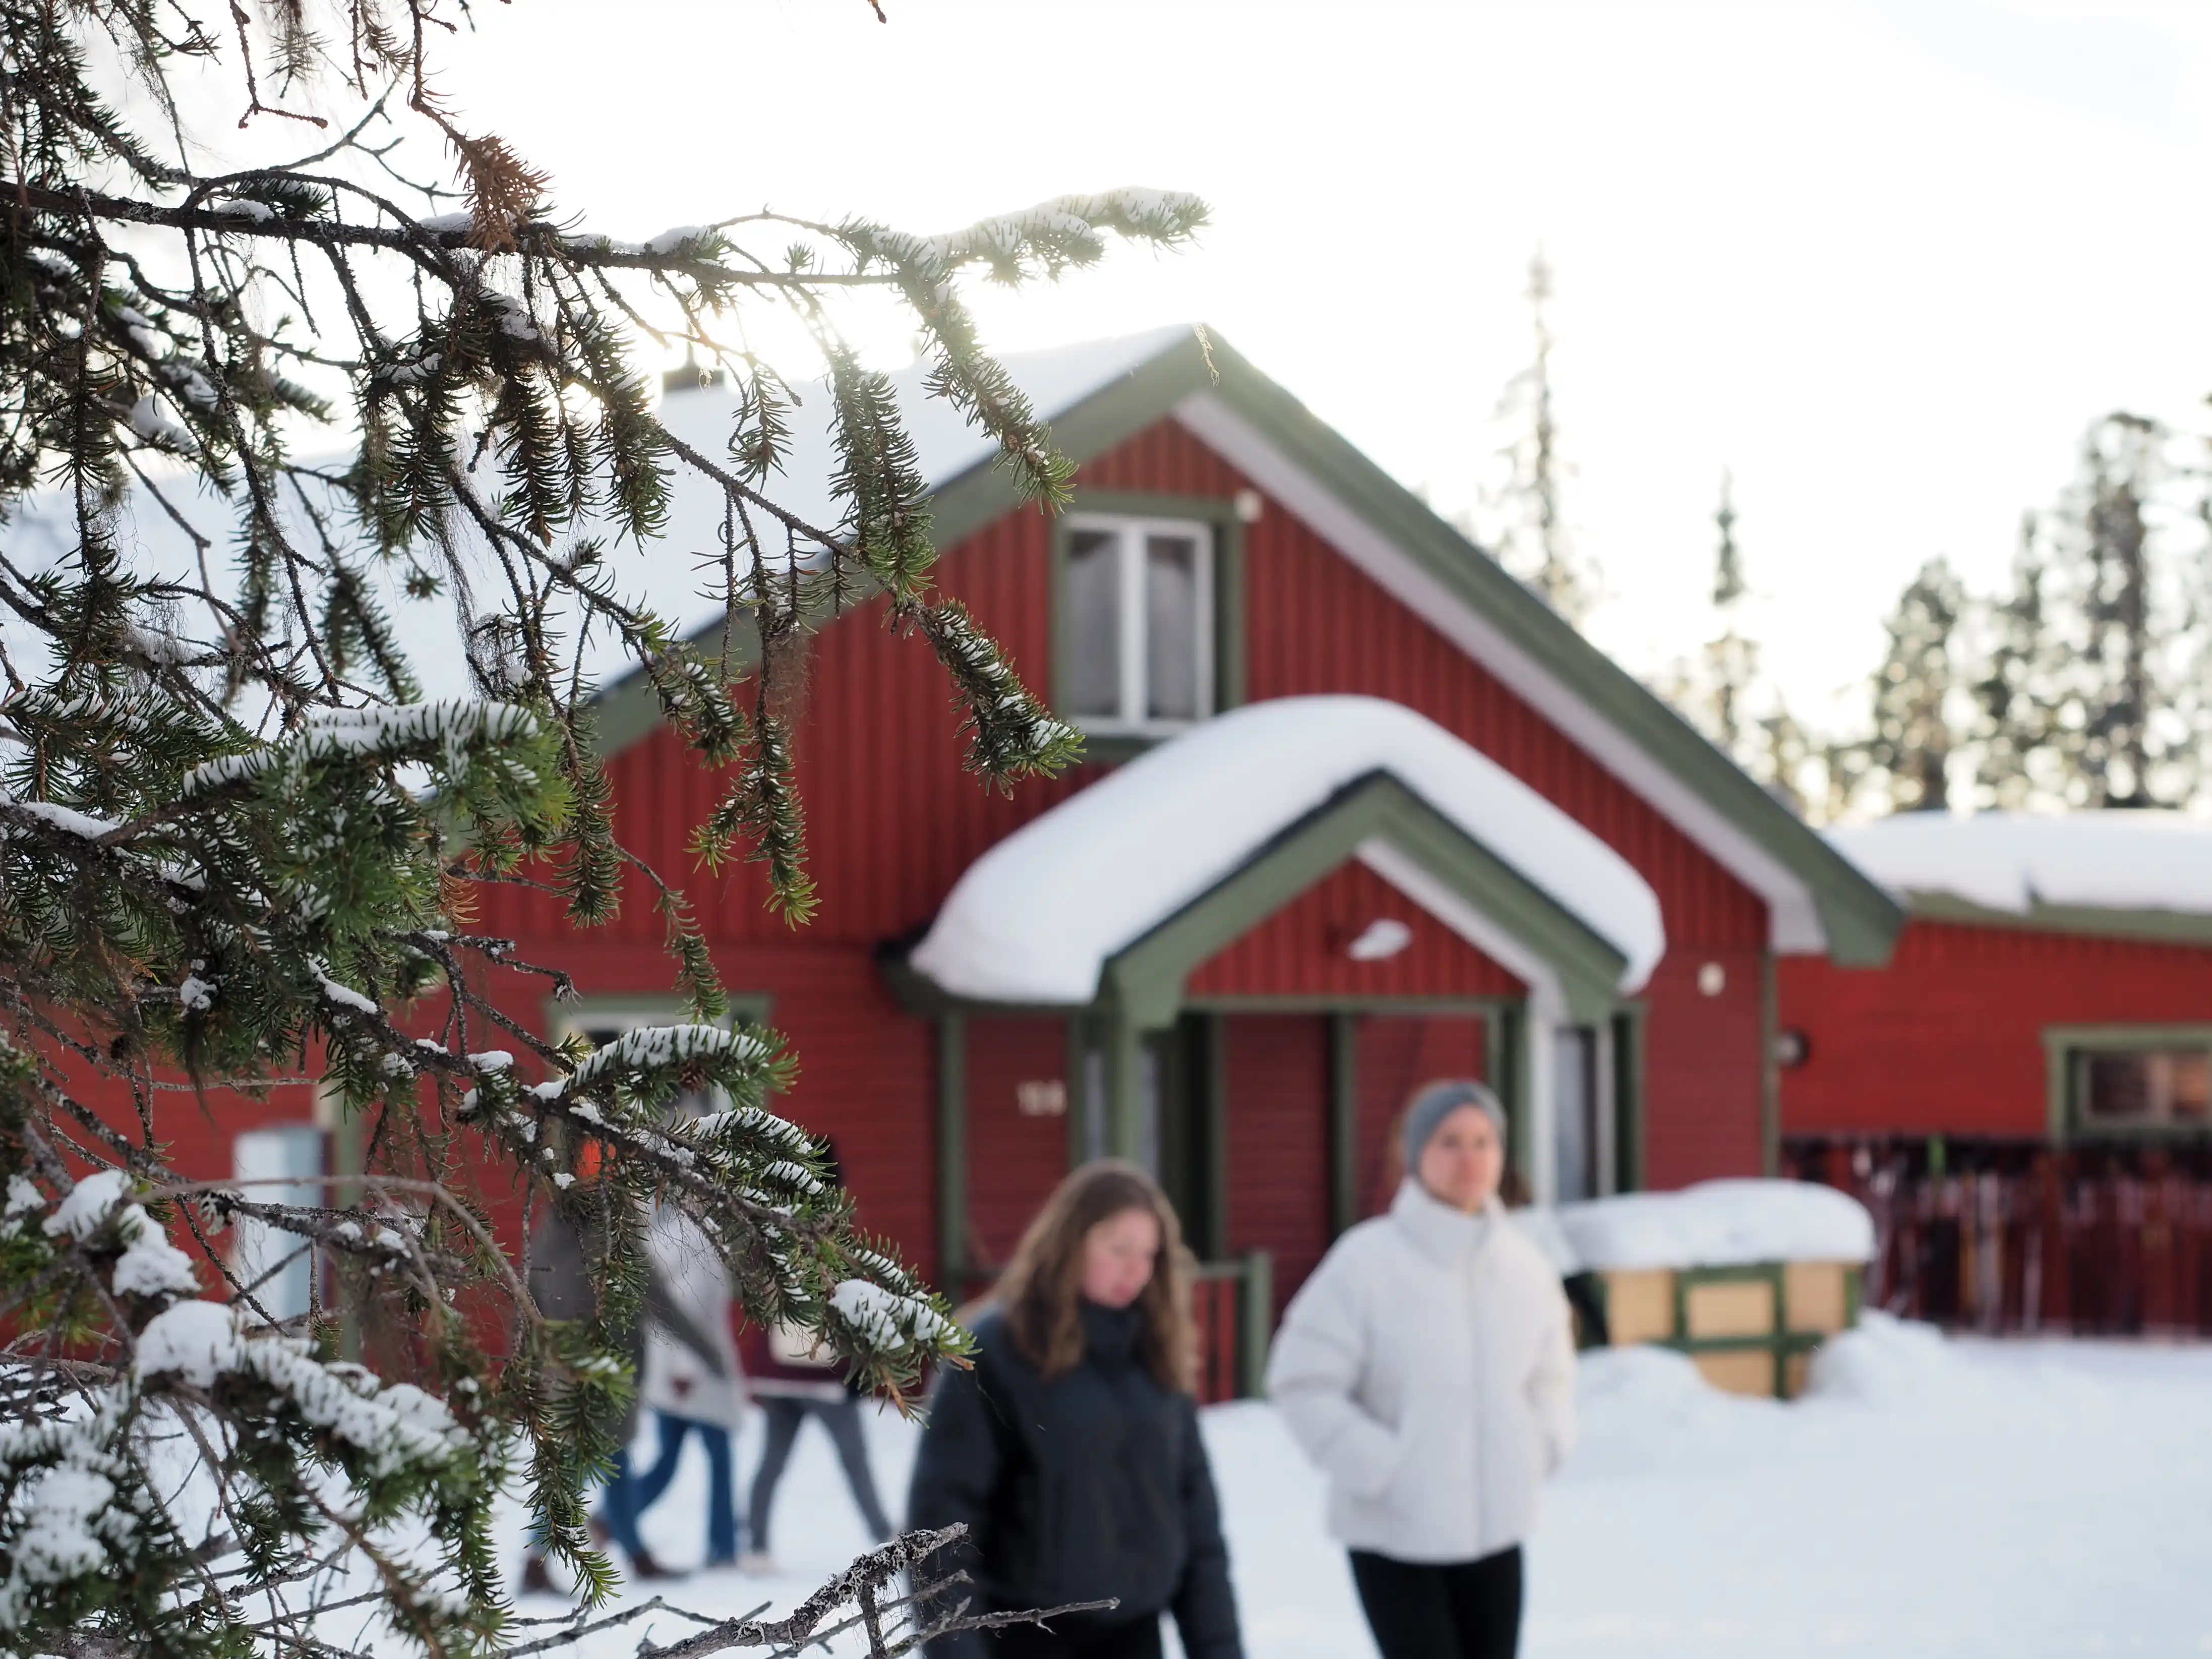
1639	1306
1750	1371
1729	1307
1816	1294
1794	1372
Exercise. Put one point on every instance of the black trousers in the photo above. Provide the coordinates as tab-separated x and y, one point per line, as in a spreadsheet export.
1462	1610
1132	1638
785	1413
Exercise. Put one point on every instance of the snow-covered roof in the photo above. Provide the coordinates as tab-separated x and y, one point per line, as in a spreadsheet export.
1719	1223
1038	916
665	576
2115	859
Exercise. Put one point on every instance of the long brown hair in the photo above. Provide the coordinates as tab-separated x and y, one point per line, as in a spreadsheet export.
1042	1285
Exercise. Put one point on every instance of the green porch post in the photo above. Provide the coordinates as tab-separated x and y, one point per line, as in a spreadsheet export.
1505	1056
1125	1080
952	1154
1343	1122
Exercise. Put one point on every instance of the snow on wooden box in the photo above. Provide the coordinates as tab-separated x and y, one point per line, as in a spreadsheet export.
1746	1276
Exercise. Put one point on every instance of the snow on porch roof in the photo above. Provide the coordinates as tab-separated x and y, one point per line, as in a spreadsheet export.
2128	860
1036	919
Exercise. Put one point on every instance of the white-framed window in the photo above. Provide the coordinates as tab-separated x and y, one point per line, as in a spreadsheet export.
1139	630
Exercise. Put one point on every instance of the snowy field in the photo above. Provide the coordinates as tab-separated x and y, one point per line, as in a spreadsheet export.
1929	1497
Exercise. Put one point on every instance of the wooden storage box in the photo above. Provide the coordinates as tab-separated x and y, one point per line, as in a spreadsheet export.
1751	1330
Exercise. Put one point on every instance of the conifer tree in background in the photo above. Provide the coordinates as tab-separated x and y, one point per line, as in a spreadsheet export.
1529	530
1732	659
2014	722
237	850
1910	751
2121	737
1723	692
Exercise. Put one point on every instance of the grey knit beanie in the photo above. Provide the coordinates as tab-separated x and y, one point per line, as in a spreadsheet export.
1438	1102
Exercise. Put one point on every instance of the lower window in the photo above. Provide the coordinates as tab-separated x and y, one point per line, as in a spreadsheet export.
2149	1086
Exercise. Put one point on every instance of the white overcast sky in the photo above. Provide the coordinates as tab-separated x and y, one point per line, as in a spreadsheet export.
1884	260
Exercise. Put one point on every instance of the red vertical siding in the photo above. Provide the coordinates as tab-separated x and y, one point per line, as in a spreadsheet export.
1013	1161
1300	950
1277	1081
1702	1098
1948	1038
1398	1053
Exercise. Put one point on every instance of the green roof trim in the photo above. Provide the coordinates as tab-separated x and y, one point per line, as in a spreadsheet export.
2146	927
1144	978
1859	921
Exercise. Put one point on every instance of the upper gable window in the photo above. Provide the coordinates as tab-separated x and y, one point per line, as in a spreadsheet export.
1139	633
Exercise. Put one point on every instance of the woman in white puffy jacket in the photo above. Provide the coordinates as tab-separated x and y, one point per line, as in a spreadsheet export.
1428	1367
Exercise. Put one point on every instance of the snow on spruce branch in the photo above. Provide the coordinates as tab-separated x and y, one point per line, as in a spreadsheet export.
84	1519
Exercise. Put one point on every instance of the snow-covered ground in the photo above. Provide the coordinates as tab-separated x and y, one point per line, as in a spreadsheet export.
1929	1497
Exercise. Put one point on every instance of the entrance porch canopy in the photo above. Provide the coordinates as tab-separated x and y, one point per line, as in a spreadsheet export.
1110	900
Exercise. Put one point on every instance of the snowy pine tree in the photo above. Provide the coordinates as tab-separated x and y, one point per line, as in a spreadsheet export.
1731	661
1908	755
237	850
2014	712
1723	691
2121	684
1525	510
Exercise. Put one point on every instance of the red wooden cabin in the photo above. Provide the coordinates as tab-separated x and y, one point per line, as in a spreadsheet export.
1245	552
2025	1092
1225	548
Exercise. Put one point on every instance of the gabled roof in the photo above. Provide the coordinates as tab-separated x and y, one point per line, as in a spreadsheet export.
2120	874
1095	397
1123	888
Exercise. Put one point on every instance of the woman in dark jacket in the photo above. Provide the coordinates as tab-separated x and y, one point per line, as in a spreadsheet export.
1070	1449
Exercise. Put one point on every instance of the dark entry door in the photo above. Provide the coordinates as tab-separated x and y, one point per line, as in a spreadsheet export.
1180	1127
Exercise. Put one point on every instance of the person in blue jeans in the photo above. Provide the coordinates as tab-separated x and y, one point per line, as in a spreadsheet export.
690	1392
562	1272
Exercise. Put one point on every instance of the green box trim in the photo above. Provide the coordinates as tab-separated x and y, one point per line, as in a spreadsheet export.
1782	1342
2061	1110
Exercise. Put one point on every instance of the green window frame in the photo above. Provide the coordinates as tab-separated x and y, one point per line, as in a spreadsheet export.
2066	1050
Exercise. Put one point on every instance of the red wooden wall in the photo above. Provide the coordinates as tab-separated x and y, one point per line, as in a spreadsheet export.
1300	949
1398	1053
1948	1038
1013	1161
1277	1067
